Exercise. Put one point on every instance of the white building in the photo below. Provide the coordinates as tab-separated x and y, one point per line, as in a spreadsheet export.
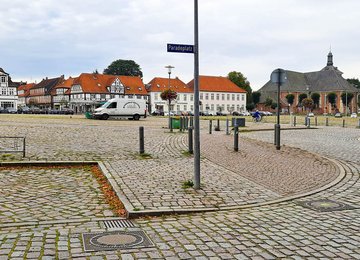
8	91
185	95
219	94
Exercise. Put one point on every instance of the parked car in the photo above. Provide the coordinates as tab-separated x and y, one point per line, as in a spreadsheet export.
353	115
246	113
166	113
236	113
157	113
338	115
3	110
12	110
67	111
24	110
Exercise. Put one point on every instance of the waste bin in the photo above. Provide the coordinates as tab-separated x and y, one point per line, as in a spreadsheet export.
238	121
175	122
88	115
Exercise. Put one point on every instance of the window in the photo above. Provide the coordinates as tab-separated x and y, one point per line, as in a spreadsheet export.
228	97
11	92
112	105
185	107
217	96
191	97
3	91
102	96
212	96
185	97
232	96
3	79
222	96
192	107
201	95
228	107
156	96
207	96
212	107
242	97
178	107
237	97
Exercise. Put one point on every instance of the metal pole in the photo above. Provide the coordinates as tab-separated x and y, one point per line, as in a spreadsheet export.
227	126
196	100
171	124
236	138
210	126
343	122
190	135
327	121
24	147
141	135
294	120
346	101
277	127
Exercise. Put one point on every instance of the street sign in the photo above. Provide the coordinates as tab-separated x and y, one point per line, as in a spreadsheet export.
278	76
184	48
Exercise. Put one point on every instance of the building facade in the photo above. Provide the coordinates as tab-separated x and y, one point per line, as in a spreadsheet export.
8	91
323	82
40	94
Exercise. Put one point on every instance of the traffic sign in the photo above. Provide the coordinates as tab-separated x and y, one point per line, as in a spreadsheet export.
184	48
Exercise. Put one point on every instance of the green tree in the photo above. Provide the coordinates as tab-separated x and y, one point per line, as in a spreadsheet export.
290	99
241	81
331	97
316	98
168	95
255	97
355	82
346	99
268	102
301	97
124	68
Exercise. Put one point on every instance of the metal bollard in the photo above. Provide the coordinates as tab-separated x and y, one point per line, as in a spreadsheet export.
210	126
294	120
227	126
343	122
191	121
277	136
327	121
316	122
190	135
181	124
308	122
236	138
171	124
186	123
141	135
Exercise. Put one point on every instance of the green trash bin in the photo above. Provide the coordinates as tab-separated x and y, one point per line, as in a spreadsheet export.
88	115
175	122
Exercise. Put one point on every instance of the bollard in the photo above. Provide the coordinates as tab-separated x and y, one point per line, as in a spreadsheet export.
186	123
171	124
308	122
294	120
191	121
343	122
327	121
181	124
217	127
277	136
190	135
210	126
359	124
236	138
316	121
141	135
24	147
227	126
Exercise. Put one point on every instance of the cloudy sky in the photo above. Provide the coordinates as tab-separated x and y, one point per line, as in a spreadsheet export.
48	38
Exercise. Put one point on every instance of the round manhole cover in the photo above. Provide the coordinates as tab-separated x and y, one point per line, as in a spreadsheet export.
119	239
326	205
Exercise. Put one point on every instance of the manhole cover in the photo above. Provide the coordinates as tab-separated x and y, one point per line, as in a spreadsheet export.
115	240
325	205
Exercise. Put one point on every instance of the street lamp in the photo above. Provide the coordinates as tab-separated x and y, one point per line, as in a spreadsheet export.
169	67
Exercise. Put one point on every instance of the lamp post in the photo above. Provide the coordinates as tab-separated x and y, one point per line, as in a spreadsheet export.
169	67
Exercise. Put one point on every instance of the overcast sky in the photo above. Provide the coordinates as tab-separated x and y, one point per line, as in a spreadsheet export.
48	38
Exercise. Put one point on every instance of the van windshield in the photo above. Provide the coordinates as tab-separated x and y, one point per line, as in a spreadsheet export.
105	105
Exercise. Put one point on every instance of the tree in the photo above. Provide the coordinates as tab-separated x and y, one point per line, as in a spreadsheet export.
290	99
331	97
168	95
346	99
316	98
301	97
255	97
241	81
124	68
268	102
355	82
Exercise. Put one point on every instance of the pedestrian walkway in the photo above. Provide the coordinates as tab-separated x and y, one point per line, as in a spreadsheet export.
255	203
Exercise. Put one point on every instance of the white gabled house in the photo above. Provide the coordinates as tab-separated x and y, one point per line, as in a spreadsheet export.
8	91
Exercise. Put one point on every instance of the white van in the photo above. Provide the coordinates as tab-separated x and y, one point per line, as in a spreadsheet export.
121	107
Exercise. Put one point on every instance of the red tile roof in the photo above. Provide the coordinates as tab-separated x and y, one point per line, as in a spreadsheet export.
161	84
66	84
216	84
98	83
26	89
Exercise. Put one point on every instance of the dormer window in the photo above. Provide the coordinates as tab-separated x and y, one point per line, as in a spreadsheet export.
99	85
140	88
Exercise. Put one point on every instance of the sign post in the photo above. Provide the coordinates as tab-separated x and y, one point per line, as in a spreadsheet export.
278	76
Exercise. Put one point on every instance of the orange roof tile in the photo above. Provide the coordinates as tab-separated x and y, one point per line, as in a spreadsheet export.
133	85
26	89
216	84
161	84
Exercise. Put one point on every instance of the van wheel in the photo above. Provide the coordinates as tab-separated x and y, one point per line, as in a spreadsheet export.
105	117
136	117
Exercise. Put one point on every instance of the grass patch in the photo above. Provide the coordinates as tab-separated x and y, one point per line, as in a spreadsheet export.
186	153
187	184
145	156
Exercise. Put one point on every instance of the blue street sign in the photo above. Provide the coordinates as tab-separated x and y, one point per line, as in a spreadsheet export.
184	48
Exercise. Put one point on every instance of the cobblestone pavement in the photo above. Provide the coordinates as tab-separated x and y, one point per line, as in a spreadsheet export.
284	230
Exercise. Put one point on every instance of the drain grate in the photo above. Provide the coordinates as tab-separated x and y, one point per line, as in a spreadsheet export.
325	205
117	224
114	240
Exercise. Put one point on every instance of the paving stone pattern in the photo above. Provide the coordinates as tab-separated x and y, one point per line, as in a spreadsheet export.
283	230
